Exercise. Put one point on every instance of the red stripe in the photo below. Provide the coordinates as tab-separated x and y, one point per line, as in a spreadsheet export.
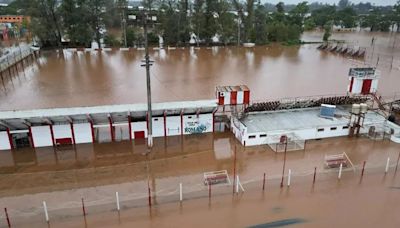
52	134
351	84
130	127
31	137
10	138
72	132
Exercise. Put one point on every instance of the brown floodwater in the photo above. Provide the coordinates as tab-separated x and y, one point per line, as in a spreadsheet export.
271	72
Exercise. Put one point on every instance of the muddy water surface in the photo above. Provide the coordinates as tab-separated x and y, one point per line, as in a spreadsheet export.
271	72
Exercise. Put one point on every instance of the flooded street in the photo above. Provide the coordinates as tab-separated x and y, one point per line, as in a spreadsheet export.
271	72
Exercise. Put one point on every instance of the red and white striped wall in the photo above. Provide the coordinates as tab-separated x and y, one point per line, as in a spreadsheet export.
233	95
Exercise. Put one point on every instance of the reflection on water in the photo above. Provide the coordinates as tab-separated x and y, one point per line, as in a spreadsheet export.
274	71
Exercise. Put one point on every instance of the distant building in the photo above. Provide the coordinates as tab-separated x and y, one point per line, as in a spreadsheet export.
18	19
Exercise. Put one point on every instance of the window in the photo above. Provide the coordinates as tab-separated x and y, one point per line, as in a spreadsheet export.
333	128
345	127
156	119
320	129
189	117
263	135
252	136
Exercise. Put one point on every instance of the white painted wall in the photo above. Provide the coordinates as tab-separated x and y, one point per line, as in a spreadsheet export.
201	124
62	131
240	97
41	136
158	126
4	141
305	134
83	133
139	126
173	125
374	86
227	98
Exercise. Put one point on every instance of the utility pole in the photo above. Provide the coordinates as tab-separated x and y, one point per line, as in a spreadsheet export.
148	64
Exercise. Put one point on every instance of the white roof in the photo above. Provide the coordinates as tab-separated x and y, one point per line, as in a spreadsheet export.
297	119
182	105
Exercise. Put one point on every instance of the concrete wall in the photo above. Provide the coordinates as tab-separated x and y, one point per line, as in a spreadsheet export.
259	138
62	131
41	136
83	133
173	125
194	125
158	126
139	126
4	141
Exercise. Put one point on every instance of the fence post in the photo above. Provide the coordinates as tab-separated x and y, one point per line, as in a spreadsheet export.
387	165
340	170
180	192
363	168
117	198
315	174
46	214
237	183
8	219
83	207
264	182
289	177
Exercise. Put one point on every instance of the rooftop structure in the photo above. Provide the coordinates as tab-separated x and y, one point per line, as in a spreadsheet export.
259	128
363	80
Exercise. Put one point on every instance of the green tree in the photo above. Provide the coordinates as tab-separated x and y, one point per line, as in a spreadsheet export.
327	30
96	13
260	31
309	24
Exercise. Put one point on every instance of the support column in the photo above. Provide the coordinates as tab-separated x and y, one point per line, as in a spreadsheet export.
52	134
213	120
31	137
182	123
72	132
130	127
92	129
111	129
165	124
10	138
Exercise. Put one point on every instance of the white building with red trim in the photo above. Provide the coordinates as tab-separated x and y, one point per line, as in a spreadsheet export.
59	126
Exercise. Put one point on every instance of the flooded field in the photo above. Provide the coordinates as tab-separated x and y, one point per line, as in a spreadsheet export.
271	72
96	172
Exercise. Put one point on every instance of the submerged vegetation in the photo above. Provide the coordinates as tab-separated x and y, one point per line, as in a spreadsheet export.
180	22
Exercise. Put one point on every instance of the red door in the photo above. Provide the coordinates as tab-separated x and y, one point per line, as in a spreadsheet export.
220	99
138	134
246	97
366	87
233	97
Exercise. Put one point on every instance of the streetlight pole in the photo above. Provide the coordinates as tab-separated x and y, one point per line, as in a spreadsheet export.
147	64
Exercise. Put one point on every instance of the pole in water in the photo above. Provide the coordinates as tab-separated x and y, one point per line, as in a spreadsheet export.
149	191
340	170
237	184
315	174
264	182
180	192
8	219
397	164
209	191
83	208
387	165
46	214
363	168
117	198
289	177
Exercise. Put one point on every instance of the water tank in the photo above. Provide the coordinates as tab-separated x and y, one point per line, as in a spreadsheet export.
327	111
355	109
363	108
